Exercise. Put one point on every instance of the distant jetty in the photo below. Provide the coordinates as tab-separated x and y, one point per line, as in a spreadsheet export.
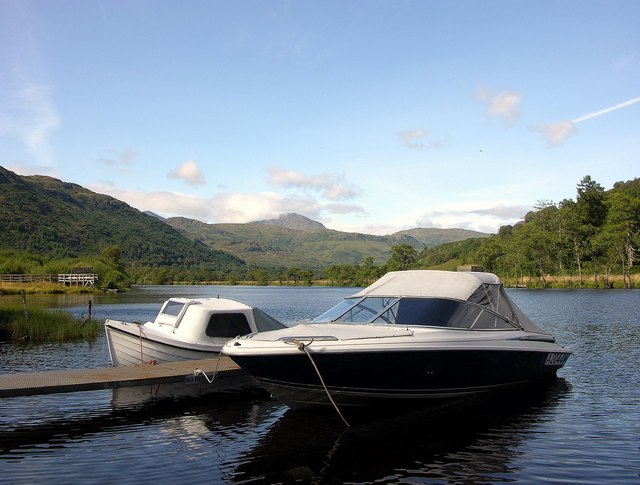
67	279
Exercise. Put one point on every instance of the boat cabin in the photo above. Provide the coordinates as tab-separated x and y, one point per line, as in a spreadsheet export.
212	319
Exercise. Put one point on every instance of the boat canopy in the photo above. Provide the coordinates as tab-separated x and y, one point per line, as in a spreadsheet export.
484	289
429	283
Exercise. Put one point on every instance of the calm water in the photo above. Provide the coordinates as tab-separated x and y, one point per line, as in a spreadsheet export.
581	428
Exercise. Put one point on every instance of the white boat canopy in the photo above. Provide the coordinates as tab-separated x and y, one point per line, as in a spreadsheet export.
481	288
430	284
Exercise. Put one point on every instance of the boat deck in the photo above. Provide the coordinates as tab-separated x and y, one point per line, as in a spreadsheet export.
50	382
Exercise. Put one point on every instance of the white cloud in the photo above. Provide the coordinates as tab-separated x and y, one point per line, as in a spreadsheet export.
344	209
126	158
239	207
505	105
29	114
504	211
22	168
414	138
27	109
330	186
167	204
556	133
188	172
484	219
225	207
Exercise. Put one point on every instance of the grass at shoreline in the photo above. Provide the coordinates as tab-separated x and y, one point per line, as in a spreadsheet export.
42	288
573	282
40	324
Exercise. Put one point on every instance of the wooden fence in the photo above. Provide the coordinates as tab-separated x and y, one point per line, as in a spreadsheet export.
68	279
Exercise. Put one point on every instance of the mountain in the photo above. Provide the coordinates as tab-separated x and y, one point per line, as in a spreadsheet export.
293	221
294	240
275	245
47	216
432	236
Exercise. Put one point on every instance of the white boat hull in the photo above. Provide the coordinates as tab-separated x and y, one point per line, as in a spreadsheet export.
131	344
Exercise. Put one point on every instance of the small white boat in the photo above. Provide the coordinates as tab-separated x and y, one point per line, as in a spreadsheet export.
185	329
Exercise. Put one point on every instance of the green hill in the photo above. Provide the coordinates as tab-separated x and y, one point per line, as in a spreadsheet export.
432	236
56	219
294	240
46	216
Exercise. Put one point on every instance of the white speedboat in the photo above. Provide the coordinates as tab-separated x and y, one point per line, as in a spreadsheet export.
185	329
410	335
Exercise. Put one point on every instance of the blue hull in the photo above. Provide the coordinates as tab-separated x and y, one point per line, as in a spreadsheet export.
366	378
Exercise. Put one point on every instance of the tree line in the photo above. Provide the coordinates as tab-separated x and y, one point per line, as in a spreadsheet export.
586	240
593	237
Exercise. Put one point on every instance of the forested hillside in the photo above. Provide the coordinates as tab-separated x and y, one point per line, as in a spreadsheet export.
593	236
51	218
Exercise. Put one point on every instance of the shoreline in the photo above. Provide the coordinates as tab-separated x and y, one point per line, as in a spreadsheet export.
531	282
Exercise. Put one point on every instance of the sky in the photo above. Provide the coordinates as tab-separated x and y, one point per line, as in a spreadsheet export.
368	116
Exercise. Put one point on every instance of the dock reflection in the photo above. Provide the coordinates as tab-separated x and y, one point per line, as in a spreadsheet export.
63	418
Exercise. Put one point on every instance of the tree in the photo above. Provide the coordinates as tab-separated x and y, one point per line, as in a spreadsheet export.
623	227
592	210
112	254
488	255
403	256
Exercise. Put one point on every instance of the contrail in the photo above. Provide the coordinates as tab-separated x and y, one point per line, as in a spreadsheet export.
607	110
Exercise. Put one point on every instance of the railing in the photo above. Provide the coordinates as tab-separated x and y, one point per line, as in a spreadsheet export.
82	279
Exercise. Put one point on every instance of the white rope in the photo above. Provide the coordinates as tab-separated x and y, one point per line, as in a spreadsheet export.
303	347
200	372
141	353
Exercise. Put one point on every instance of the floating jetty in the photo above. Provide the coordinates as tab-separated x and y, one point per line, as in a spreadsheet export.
186	372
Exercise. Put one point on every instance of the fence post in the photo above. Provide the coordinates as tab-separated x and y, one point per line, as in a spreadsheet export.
24	304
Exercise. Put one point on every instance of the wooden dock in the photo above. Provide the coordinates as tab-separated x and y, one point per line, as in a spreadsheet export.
50	382
67	279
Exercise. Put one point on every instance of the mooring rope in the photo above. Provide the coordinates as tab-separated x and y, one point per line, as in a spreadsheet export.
200	372
141	353
142	361
303	347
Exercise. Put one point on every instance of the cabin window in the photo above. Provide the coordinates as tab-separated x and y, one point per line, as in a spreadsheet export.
173	308
227	325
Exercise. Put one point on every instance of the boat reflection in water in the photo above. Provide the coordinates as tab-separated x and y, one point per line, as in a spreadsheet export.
474	439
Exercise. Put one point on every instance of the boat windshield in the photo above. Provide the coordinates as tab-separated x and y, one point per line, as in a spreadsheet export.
355	310
433	312
265	322
441	312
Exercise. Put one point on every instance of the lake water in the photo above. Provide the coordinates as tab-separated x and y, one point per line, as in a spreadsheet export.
583	427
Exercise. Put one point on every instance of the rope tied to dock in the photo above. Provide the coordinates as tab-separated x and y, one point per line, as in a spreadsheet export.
200	372
303	348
